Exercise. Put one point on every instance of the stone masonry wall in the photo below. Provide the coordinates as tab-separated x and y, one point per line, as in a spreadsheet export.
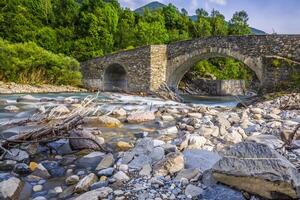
158	66
147	67
135	62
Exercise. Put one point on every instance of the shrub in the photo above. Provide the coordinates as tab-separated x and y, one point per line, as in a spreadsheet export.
29	63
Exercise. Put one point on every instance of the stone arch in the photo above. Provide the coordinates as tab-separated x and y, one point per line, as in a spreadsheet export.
115	78
183	63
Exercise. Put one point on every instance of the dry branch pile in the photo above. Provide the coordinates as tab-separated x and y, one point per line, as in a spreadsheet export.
52	126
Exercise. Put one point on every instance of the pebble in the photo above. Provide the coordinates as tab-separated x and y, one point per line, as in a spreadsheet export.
37	188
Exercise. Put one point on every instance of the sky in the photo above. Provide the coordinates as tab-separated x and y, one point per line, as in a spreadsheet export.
279	16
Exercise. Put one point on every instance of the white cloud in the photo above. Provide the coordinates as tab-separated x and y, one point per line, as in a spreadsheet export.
219	2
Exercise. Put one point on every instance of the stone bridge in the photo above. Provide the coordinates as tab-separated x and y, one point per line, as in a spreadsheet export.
273	58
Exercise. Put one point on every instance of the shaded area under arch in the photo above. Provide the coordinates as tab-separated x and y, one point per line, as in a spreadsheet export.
115	78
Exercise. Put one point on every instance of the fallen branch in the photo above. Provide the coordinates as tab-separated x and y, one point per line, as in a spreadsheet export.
58	126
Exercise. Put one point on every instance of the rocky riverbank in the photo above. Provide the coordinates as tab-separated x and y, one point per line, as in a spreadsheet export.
161	150
14	88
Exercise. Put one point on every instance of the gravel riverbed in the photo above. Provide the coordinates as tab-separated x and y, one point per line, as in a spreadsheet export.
154	149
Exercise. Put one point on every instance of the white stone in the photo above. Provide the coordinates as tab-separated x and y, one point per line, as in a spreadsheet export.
121	176
11	188
37	188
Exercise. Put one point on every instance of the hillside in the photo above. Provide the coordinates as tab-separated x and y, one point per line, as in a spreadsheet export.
151	6
157	5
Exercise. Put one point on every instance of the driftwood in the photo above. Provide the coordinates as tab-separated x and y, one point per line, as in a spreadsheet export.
292	103
165	92
57	127
288	138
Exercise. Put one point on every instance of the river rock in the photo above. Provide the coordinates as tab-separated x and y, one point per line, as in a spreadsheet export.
200	159
257	111
3	101
7	165
37	188
41	171
146	170
22	169
105	121
84	184
220	192
270	140
209	131
107	161
171	164
71	180
139	117
27	98
91	160
60	147
119	112
106	172
97	194
11	108
168	131
265	172
11	188
196	141
192	191
61	109
222	121
157	154
123	146
121	176
188	174
79	144
167	118
17	155
54	168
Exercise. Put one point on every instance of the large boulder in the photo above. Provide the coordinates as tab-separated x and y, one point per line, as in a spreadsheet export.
92	141
220	192
200	159
140	117
258	169
270	140
11	188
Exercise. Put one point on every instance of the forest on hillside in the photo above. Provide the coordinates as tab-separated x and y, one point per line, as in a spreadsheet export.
43	41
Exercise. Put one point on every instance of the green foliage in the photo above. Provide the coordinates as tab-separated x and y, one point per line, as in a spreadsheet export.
238	25
29	63
276	63
223	69
84	29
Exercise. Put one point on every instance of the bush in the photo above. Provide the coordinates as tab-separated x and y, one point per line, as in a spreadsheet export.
29	63
223	69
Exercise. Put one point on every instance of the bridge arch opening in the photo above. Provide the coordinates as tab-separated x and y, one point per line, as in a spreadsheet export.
249	76
115	78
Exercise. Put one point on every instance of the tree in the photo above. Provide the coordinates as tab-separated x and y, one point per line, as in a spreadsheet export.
218	23
184	12
201	13
125	37
202	27
238	25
